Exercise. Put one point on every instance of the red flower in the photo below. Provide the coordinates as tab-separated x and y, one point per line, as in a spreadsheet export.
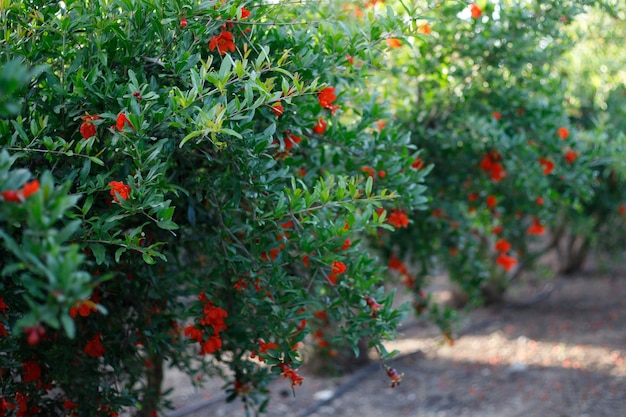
394	43
320	126
212	345
69	405
277	109
369	171
425	29
34	334
291	141
563	133
621	209
122	121
398	218
346	244
266	346
570	156
473	196
536	228
22	405
183	23
30	188
326	97
396	264
119	188
503	245
491	201
418	164
245	13
320	314
213	316
380	125
548	165
497	115
372	303
84	308
18	196
506	262
497	172
193	333
5	406
94	347
273	254
394	376
382	174
490	163
223	42
539	201
87	128
475	10
31	371
291	374
497	230
338	267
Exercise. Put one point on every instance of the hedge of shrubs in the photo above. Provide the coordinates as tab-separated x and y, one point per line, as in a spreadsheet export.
213	185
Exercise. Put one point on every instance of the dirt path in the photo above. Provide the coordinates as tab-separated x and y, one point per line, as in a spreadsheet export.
561	358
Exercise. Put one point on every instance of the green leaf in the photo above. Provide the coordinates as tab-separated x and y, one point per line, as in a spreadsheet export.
147	258
230	132
96	161
167	225
190	136
98	252
368	186
68	325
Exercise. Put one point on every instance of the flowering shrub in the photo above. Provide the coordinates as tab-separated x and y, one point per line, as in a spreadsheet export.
512	175
182	182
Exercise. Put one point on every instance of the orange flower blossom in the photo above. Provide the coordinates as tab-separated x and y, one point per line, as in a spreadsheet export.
223	42
506	262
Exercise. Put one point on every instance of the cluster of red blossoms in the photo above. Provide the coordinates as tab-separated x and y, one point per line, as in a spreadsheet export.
398	218
213	318
491	163
337	269
326	97
570	155
21	402
505	261
17	196
87	128
396	264
225	40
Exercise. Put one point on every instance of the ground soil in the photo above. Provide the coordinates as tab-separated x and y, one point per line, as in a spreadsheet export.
562	357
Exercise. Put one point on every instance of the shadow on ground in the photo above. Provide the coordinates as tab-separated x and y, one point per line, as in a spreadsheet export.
561	358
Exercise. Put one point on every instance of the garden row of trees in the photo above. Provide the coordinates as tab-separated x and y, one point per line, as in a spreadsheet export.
221	185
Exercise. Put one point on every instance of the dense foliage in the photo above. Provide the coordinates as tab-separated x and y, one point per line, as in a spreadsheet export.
515	172
215	184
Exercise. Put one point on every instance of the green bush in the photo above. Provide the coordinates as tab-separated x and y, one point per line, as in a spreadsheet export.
191	205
